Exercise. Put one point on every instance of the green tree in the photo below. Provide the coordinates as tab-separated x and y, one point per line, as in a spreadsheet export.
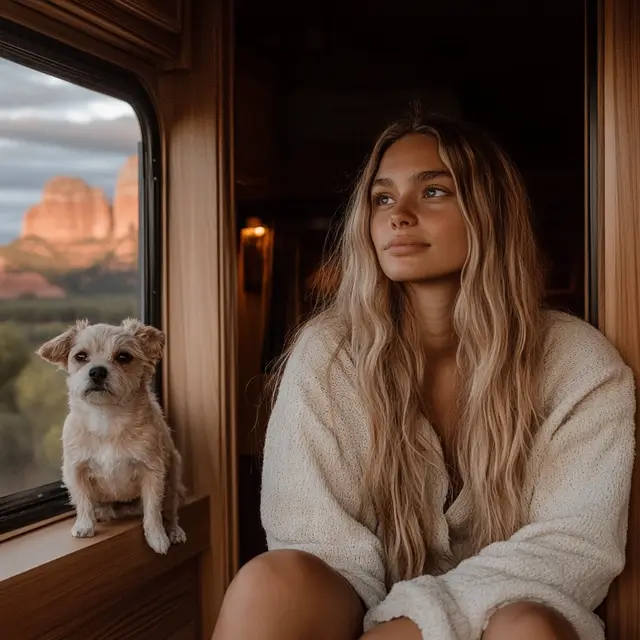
16	431
41	396
15	444
14	352
14	356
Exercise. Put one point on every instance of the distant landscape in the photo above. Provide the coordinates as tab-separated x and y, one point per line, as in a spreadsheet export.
76	257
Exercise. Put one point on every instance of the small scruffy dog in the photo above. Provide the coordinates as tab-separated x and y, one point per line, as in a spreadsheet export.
118	455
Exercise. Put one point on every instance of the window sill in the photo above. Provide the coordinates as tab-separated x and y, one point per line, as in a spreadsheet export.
45	573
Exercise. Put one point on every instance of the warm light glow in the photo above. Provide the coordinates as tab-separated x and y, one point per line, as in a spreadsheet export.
255	242
253	232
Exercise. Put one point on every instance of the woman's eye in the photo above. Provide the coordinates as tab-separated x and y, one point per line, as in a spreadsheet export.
124	358
81	356
381	199
435	192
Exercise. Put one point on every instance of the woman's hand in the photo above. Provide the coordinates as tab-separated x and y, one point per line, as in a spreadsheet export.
398	629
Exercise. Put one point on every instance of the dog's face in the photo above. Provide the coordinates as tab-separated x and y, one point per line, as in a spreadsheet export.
106	363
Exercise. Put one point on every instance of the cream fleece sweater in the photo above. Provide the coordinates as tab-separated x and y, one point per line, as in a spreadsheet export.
578	482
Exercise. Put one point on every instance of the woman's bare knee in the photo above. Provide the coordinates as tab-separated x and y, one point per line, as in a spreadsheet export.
528	621
290	594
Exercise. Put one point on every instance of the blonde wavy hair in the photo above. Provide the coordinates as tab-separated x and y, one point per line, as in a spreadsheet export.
497	318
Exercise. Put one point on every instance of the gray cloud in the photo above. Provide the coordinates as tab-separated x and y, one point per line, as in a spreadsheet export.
48	128
31	88
111	136
28	165
10	221
30	94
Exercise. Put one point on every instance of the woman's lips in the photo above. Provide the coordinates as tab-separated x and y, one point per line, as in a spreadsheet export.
405	246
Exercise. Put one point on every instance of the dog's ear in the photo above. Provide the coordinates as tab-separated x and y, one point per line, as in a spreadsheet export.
151	338
57	349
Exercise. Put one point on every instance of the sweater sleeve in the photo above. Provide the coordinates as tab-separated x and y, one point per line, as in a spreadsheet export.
310	478
573	545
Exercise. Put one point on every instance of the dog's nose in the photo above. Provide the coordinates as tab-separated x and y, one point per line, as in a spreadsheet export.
98	374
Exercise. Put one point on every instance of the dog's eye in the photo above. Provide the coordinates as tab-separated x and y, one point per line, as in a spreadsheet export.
123	357
81	356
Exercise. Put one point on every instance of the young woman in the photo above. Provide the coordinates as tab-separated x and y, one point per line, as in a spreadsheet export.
445	460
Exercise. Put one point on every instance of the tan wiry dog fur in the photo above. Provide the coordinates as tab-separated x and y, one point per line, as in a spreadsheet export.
118	455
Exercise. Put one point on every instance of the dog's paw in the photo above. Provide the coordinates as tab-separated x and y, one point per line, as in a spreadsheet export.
177	534
158	540
83	530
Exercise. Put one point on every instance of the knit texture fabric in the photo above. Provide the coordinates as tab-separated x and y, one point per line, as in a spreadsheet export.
577	482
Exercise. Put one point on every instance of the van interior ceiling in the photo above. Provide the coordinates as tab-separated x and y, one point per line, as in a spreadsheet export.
313	87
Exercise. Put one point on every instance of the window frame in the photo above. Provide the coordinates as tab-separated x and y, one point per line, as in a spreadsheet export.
23	46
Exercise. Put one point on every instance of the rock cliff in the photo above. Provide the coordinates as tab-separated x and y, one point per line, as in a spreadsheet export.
70	210
125	202
77	219
74	226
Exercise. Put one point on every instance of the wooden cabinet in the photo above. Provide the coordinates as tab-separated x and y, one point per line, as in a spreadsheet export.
153	31
255	143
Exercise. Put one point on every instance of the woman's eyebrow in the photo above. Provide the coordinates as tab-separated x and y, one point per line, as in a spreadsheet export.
416	177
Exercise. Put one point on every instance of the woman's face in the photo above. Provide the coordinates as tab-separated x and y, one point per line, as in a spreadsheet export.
416	226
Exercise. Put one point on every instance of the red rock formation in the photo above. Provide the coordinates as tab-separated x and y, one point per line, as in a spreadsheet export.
75	226
15	284
125	202
126	250
70	210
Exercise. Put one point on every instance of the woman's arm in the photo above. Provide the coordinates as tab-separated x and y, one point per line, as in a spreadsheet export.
311	478
574	545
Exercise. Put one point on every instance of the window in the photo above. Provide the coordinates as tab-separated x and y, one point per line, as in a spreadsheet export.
78	239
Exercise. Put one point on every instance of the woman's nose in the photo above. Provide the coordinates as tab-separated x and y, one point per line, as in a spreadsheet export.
403	218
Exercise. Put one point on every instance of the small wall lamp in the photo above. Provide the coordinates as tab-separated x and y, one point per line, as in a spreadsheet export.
255	242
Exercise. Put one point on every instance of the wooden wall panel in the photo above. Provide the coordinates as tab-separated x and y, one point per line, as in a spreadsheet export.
201	283
619	236
164	608
57	587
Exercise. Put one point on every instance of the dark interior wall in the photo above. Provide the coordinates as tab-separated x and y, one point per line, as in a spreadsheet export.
333	78
316	83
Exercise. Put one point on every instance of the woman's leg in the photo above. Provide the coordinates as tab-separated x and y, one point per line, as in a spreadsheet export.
528	621
289	595
397	629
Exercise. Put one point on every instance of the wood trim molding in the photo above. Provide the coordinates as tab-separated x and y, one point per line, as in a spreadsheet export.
619	235
135	38
167	14
200	308
67	34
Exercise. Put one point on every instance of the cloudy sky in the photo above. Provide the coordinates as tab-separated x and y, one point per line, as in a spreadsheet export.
49	127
